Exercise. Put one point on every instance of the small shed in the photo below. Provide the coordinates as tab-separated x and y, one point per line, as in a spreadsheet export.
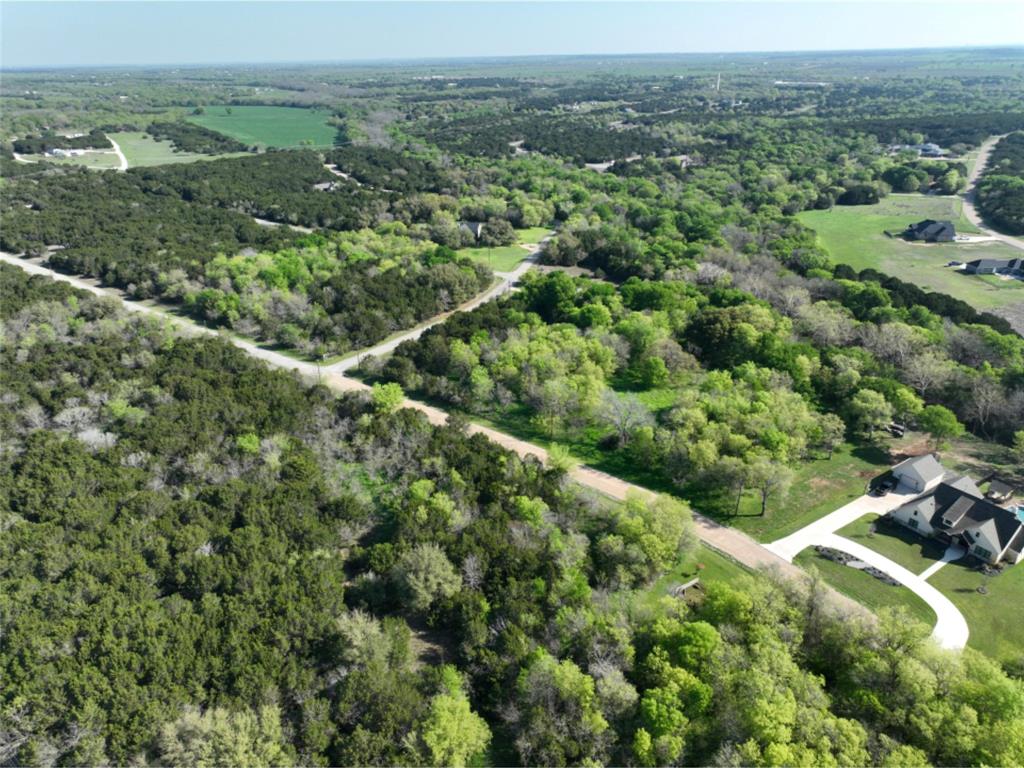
999	492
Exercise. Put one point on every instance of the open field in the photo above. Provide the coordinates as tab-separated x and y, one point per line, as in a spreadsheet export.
142	150
705	563
270	126
100	160
915	553
855	235
866	589
500	259
532	235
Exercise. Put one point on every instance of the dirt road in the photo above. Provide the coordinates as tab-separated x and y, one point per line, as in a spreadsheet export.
970	211
120	155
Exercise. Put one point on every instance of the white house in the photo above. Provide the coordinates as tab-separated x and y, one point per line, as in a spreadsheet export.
919	473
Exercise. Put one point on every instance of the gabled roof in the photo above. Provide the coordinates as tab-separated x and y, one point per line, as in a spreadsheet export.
924	468
999	488
955	511
931	228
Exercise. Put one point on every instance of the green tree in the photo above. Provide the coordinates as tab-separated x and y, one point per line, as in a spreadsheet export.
219	737
452	732
387	398
425	575
940	423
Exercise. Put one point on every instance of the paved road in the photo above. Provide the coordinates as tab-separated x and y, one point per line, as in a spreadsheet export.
950	626
120	155
950	629
506	281
727	540
972	181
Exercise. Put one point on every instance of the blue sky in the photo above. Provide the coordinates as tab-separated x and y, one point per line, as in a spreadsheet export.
58	34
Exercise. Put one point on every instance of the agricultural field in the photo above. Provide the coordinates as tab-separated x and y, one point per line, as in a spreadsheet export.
143	150
856	235
281	127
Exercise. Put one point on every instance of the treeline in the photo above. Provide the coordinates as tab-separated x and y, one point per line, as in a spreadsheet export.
1000	192
188	137
37	145
969	130
579	139
169	505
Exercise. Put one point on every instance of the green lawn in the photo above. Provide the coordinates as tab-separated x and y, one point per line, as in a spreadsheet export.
142	150
270	126
500	259
866	589
995	619
98	160
709	565
532	235
855	235
820	486
915	553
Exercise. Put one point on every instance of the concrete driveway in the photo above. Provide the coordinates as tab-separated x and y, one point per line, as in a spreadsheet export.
789	546
950	629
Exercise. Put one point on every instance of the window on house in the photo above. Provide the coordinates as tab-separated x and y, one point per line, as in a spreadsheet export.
981	552
912	522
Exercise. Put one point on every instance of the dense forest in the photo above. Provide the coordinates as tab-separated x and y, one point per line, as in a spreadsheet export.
205	561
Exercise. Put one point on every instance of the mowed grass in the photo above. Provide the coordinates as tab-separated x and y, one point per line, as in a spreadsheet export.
904	547
704	563
866	589
532	235
995	620
501	259
282	127
142	150
820	486
855	235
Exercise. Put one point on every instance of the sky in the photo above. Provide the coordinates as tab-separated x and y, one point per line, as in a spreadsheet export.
84	33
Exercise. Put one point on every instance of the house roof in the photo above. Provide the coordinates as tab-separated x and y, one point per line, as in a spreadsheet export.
999	488
955	511
924	468
1007	264
932	228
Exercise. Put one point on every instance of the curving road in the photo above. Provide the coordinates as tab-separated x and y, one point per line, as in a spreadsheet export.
950	629
970	211
506	282
120	155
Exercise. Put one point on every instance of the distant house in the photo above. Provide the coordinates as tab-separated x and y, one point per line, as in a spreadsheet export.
1013	267
919	473
475	228
931	231
952	510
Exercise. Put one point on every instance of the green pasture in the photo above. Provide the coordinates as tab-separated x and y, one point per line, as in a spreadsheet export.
283	127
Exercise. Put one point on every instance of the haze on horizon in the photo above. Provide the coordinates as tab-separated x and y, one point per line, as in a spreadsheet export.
93	34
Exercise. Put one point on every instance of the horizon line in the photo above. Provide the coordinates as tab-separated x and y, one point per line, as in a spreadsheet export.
423	60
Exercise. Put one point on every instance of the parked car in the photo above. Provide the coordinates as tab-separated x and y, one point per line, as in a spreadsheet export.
897	430
885	486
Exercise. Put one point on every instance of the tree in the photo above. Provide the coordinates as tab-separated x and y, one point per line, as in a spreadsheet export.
829	433
560	722
387	398
452	732
220	737
940	423
1018	445
769	477
870	413
623	413
425	575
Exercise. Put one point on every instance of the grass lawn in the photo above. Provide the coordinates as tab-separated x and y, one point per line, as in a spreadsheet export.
501	259
709	565
104	160
819	487
855	235
532	235
142	150
270	126
997	627
915	553
866	589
